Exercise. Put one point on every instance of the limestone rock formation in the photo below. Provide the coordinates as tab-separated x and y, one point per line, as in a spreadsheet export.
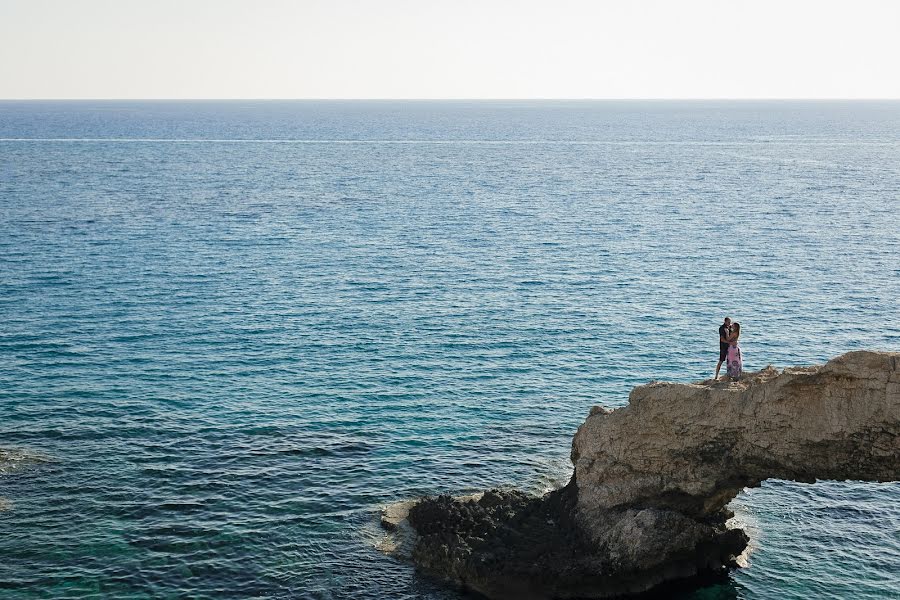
647	501
693	447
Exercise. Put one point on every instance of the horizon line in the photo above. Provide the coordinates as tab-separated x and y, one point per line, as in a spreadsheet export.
489	142
473	99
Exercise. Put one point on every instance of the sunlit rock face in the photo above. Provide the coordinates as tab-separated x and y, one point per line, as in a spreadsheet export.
693	447
647	502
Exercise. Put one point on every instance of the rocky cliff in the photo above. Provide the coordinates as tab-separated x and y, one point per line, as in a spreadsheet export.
647	501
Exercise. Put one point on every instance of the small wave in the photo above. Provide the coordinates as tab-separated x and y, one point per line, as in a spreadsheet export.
745	519
5	504
351	448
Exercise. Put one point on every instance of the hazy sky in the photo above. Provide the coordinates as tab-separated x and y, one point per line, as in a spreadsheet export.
449	49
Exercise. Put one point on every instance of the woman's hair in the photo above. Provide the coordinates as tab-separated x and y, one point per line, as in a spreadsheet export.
737	328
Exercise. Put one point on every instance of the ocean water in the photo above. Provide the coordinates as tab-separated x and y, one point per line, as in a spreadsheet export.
232	331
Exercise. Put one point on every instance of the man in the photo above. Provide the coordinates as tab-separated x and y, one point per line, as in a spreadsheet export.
724	332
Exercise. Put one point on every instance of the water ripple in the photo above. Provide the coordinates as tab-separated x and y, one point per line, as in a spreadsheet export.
218	360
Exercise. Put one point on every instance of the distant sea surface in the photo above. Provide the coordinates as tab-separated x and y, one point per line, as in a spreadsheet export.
232	331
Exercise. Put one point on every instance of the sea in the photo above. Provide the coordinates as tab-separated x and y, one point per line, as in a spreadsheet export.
232	331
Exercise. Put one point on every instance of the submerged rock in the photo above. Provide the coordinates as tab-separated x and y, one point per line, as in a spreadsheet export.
16	459
647	501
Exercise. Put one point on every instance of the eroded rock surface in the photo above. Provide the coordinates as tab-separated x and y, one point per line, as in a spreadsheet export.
647	501
693	447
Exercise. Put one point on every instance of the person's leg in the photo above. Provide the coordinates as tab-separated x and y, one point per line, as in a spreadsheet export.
723	354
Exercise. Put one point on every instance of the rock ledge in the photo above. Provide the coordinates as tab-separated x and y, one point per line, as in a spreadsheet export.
647	502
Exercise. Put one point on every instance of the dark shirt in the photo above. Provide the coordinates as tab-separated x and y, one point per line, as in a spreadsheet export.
724	332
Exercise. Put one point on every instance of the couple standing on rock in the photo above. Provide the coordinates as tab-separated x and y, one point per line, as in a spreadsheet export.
729	349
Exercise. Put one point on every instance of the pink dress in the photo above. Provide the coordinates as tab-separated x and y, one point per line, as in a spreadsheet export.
734	364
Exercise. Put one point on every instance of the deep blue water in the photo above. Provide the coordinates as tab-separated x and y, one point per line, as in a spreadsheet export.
232	331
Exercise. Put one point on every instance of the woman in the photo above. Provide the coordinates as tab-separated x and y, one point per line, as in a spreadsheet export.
735	362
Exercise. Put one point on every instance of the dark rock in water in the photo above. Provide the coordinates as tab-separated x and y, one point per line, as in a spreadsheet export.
511	545
647	502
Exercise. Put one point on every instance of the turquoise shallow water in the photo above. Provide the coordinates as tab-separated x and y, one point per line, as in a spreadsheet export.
232	331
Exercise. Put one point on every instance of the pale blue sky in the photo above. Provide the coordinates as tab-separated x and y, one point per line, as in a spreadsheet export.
449	49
